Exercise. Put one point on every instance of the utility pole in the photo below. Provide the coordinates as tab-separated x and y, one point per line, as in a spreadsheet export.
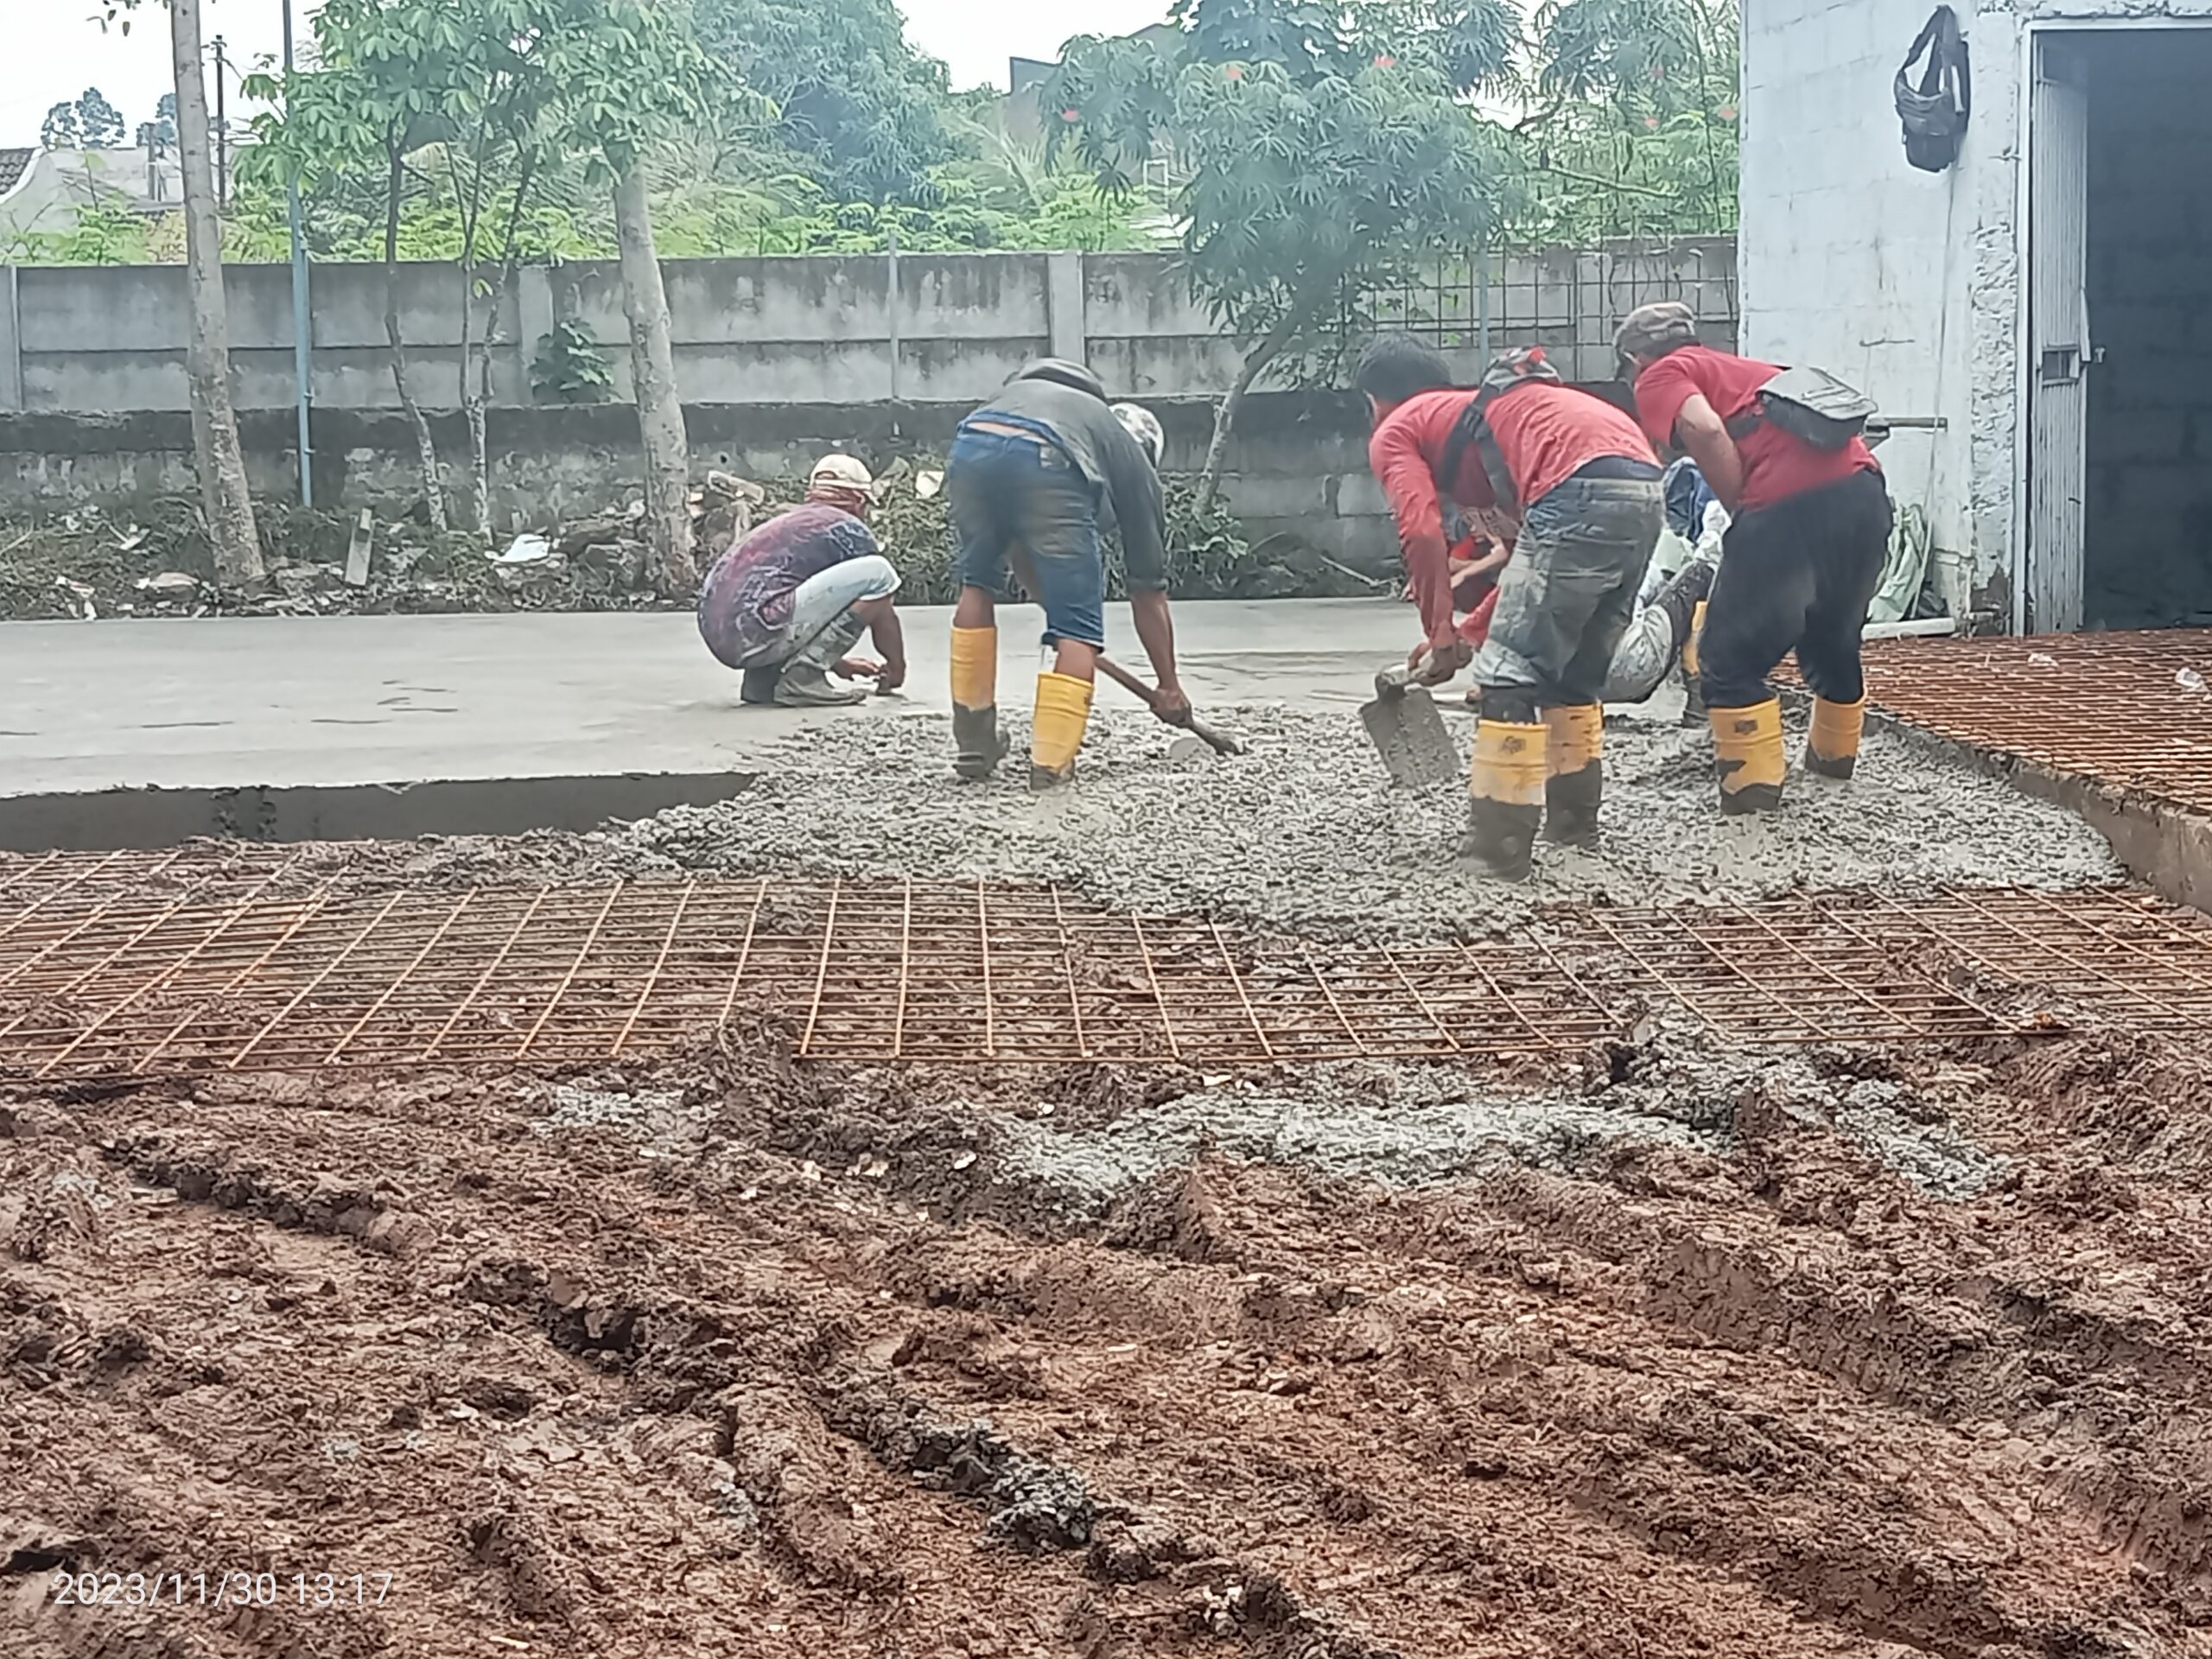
222	126
303	341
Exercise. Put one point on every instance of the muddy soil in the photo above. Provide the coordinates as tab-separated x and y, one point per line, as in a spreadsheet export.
740	1356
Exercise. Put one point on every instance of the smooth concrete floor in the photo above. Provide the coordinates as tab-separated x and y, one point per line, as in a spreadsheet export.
304	701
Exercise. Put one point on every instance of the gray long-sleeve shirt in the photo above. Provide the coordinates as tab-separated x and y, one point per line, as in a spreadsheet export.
1104	453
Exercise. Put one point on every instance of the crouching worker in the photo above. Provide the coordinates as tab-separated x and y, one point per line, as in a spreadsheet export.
1806	544
1036	480
1583	485
785	605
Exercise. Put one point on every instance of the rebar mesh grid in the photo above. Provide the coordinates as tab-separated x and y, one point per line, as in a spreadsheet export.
2129	710
128	985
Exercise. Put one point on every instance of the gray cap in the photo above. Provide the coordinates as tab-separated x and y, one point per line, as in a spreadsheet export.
1059	371
1657	327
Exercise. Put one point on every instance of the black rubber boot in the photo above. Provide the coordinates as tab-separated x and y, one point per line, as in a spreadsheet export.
1571	804
978	745
1502	839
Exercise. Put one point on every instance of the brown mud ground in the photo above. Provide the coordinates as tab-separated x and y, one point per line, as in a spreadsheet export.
737	1356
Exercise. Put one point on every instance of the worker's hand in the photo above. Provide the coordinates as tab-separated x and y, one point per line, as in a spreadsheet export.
892	675
1434	661
1488	562
1172	704
858	668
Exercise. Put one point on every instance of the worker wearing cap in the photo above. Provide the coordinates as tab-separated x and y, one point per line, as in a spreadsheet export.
1807	536
1583	486
1037	478
787	603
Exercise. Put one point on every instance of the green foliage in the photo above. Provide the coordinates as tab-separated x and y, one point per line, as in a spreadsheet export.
1640	137
871	116
1324	147
89	122
569	368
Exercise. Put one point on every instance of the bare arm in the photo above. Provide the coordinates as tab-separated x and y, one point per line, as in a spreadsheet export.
1156	632
1703	435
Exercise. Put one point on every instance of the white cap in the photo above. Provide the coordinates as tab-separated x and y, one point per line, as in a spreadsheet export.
840	472
1144	425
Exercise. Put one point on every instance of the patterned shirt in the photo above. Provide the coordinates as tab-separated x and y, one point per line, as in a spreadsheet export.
745	603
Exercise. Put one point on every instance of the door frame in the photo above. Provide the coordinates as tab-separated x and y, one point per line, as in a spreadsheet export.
2032	30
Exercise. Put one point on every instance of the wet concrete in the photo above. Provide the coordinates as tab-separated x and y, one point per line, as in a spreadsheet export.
138	734
330	701
1304	833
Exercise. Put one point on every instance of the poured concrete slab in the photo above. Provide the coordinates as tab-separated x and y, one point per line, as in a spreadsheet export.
141	732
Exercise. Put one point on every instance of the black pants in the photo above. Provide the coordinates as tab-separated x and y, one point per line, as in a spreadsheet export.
1796	576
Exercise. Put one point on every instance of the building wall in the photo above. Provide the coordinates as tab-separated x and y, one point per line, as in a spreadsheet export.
1907	282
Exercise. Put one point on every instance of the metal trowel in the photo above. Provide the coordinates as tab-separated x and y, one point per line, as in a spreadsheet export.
1408	732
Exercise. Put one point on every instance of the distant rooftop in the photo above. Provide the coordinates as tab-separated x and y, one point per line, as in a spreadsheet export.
14	164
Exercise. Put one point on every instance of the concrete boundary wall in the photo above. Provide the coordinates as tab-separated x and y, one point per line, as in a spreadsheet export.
1298	465
931	328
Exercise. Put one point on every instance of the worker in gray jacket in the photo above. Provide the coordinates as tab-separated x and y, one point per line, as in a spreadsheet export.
1036	480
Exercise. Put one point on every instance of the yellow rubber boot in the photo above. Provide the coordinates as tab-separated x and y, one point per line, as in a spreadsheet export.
1693	707
1506	803
1575	770
978	746
1831	751
1063	712
1747	753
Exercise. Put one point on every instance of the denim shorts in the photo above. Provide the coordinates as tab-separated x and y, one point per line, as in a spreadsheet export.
1020	508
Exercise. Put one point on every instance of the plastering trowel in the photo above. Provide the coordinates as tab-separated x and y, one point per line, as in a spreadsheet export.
1408	731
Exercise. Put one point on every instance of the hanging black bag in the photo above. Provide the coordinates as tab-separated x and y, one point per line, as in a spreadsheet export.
1934	114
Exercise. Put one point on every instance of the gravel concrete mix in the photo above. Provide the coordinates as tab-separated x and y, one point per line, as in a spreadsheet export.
1305	833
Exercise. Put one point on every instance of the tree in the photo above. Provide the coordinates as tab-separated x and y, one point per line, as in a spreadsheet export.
1327	149
1637	135
100	121
62	130
86	123
872	115
445	99
629	77
236	540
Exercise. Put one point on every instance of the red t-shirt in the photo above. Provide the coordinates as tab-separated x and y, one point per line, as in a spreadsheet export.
1545	433
1775	465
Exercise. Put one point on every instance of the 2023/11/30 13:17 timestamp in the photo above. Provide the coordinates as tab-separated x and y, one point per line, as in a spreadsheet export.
238	1589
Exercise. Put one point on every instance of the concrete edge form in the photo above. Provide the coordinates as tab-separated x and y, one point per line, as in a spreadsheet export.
99	821
2166	847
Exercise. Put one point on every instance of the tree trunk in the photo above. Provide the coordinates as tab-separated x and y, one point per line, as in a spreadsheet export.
426	446
221	458
660	411
472	405
1225	412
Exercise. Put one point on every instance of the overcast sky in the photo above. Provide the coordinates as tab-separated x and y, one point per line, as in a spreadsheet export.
59	49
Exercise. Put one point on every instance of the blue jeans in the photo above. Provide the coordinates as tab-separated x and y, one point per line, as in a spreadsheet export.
1019	506
1566	596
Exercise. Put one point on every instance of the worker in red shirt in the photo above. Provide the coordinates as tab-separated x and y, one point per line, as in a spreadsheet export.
1578	479
1808	536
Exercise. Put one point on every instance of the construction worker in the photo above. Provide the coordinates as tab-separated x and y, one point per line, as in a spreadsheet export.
1037	478
1669	608
1583	486
789	600
1807	536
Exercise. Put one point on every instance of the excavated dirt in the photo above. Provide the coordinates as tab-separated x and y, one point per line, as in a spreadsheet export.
1302	834
1669	1355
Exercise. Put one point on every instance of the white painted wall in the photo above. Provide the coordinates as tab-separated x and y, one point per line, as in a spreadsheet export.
1905	282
